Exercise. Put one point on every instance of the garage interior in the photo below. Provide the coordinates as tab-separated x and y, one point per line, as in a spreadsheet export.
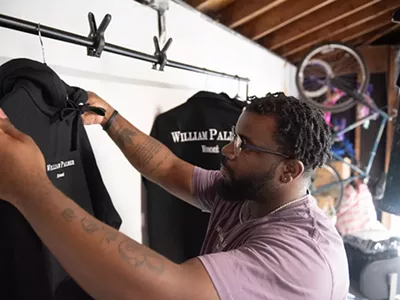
183	71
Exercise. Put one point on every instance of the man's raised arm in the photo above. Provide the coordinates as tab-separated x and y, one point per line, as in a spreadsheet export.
150	157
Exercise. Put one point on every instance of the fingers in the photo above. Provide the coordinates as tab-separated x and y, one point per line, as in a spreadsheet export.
8	128
90	118
92	97
2	114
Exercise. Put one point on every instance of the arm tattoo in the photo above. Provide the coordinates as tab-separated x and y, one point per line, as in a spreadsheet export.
125	136
90	226
68	214
129	251
147	151
160	163
140	153
109	236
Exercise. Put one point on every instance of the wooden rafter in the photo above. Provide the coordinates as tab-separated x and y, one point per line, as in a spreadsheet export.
362	40
382	33
345	36
242	11
343	25
329	14
366	28
280	16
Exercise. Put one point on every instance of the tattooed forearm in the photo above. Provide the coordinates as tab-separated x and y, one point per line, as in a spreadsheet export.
109	237
132	253
140	154
91	225
156	167
128	251
88	224
145	153
125	137
69	214
149	156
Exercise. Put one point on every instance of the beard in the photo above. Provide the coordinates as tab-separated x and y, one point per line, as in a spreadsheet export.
253	186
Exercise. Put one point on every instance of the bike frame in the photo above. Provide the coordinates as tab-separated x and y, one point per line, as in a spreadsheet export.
375	112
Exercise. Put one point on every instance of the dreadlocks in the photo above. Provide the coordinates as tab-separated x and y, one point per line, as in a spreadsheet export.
302	131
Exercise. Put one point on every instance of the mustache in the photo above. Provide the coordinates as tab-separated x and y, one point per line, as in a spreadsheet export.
224	163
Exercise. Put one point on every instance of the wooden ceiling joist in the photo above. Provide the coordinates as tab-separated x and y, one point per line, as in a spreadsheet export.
290	28
365	28
361	40
280	16
338	27
348	36
243	11
331	13
382	32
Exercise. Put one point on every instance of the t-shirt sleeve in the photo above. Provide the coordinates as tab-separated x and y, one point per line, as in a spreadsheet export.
261	271
204	187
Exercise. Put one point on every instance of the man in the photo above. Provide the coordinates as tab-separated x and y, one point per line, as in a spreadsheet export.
266	240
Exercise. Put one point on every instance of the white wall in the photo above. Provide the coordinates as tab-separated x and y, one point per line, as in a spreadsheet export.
130	85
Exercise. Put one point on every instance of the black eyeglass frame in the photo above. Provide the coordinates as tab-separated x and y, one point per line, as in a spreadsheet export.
239	145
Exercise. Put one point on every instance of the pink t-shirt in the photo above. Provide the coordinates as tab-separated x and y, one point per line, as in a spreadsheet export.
294	254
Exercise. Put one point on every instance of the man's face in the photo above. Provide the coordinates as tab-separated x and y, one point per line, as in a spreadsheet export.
252	174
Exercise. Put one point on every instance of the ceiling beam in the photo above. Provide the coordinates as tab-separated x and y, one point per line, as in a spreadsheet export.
365	28
243	11
280	16
362	39
338	27
321	18
346	37
380	34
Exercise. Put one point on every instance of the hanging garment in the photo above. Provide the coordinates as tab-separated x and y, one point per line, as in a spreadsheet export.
41	105
196	132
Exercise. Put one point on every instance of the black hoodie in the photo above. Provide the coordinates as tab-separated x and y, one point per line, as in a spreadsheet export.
195	131
41	105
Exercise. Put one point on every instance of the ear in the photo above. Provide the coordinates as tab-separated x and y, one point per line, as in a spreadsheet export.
292	169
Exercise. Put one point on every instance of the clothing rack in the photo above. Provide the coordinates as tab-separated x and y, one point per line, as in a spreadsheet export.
95	44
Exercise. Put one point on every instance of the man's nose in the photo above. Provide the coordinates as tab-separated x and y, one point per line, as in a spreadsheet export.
228	151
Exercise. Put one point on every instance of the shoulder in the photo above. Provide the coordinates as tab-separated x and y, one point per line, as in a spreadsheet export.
205	179
204	187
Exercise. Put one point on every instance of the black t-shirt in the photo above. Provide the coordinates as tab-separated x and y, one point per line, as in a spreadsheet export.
41	105
196	132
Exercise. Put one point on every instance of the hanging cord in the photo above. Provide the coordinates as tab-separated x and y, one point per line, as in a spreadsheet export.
78	110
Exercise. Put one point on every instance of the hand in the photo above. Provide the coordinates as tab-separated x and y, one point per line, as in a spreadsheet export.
91	118
22	165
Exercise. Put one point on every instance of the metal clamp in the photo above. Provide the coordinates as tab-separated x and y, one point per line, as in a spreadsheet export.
97	35
161	55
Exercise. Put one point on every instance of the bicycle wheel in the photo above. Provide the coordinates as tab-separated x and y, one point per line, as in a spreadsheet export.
328	61
327	182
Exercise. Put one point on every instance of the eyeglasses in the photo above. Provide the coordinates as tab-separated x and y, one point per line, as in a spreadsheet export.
239	144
